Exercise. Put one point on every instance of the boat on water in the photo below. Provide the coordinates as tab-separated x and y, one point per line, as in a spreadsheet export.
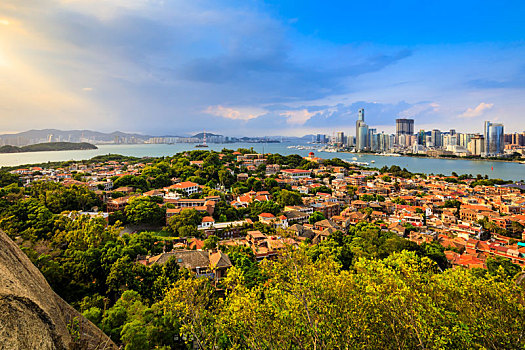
356	163
354	158
372	161
328	149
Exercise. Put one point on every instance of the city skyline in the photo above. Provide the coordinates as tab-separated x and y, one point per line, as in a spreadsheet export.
260	68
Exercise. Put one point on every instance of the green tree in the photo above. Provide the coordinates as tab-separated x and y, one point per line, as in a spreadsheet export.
211	242
316	216
185	222
256	208
322	189
8	179
500	266
286	197
144	210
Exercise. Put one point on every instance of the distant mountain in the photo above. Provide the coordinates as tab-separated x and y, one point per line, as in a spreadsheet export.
54	135
201	135
32	137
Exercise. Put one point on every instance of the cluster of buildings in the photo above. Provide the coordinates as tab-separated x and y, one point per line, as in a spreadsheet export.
492	141
416	208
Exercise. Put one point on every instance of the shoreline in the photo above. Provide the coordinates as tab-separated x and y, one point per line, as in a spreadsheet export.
446	158
55	150
507	170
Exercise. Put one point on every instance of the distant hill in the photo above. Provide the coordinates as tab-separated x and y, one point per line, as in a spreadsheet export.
49	146
201	135
32	137
40	136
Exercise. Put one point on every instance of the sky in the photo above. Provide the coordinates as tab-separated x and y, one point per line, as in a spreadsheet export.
260	68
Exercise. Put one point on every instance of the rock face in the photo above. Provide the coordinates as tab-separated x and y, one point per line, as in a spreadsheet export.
32	316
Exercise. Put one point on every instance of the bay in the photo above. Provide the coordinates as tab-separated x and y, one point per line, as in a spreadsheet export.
494	169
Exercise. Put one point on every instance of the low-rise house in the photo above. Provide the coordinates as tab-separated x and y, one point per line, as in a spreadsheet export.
295	216
228	229
327	209
295	174
213	265
118	204
186	186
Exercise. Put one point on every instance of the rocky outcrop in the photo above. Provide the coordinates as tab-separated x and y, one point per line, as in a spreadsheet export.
32	316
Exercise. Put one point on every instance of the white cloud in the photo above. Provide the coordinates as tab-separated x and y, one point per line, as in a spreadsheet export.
234	113
298	117
420	108
477	111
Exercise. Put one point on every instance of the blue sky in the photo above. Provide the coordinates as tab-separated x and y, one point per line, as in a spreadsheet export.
260	67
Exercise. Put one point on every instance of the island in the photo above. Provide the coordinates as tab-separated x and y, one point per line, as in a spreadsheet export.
48	146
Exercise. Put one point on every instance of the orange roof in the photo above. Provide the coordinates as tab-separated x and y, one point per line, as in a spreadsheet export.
185	184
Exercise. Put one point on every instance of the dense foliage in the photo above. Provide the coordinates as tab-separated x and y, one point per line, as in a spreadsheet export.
364	288
48	146
401	302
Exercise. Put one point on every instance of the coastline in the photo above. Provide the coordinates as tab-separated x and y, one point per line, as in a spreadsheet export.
429	157
48	147
502	170
55	150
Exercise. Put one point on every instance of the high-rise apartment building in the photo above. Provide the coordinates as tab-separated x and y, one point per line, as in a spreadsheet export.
465	138
494	138
373	142
385	142
340	138
516	139
422	138
450	140
404	126
320	138
436	138
476	145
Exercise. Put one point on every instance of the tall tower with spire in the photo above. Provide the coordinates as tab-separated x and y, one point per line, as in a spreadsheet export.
361	131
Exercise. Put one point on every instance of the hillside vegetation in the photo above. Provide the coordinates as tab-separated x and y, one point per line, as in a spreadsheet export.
49	146
365	288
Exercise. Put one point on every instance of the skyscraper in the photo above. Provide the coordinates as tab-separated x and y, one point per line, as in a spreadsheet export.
361	131
384	141
362	137
421	137
486	131
372	143
404	126
340	138
494	138
436	137
476	145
